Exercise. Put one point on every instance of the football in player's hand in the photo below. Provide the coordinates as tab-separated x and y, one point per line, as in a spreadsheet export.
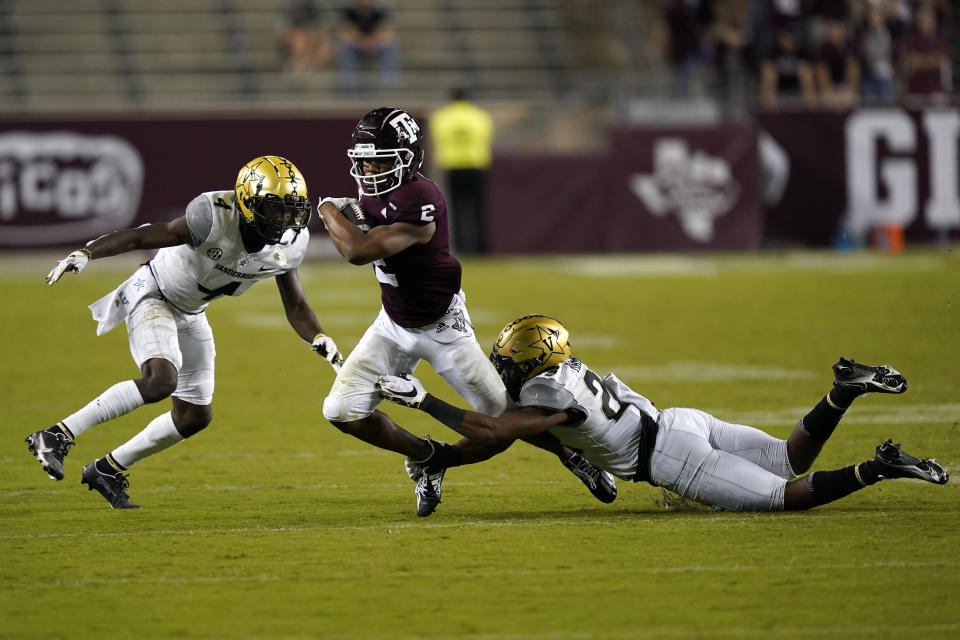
353	212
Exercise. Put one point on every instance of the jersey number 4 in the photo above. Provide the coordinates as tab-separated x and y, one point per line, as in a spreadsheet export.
225	290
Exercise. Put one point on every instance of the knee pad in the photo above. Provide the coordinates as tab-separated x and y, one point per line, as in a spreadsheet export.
332	409
339	409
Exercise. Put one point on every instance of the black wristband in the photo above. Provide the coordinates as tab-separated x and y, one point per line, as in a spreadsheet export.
447	414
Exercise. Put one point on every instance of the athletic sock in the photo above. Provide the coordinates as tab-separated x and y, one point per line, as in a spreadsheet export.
63	429
118	400
160	434
108	466
827	486
824	418
444	455
843	397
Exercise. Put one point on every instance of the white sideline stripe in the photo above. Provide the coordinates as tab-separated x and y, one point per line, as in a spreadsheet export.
905	414
500	570
679	265
716	520
684	371
780	631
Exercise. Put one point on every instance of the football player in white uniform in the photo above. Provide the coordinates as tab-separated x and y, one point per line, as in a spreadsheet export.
226	241
727	466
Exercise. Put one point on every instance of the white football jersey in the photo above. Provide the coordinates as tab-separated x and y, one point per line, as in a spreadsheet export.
607	425
191	276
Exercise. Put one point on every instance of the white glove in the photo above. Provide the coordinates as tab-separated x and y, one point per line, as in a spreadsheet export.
339	203
413	469
327	348
403	390
76	261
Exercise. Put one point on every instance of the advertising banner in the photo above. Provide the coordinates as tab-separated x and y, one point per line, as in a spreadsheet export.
871	167
656	190
65	182
673	189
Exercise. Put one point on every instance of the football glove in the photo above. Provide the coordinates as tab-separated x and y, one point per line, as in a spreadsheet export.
413	468
76	261
403	390
339	203
327	348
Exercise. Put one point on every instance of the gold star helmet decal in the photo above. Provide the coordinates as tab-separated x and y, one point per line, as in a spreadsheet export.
527	347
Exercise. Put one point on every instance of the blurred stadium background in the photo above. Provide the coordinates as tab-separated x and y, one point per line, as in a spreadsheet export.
787	231
655	113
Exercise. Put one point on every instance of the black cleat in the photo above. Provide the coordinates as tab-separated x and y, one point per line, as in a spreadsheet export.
867	379
896	463
429	489
113	487
601	483
50	446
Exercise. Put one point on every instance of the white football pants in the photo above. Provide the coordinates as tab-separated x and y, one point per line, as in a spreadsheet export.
449	345
728	466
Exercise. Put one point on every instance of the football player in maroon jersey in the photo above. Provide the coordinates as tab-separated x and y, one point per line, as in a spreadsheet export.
405	236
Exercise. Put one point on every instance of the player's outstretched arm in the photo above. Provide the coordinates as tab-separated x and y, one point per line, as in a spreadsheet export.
383	241
512	425
149	236
301	317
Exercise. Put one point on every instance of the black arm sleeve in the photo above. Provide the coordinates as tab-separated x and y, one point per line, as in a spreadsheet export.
445	413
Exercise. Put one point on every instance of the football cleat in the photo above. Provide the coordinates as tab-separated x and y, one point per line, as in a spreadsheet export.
50	447
113	487
429	489
602	484
867	379
896	463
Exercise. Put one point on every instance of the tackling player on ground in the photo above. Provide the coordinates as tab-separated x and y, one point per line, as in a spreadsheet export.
225	242
727	466
424	317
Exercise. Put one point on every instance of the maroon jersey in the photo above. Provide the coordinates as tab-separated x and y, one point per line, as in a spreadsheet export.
417	284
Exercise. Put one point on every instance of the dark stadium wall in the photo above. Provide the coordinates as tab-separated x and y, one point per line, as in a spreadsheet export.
656	190
65	182
793	179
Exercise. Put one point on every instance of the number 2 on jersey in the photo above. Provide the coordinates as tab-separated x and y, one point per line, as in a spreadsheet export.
610	404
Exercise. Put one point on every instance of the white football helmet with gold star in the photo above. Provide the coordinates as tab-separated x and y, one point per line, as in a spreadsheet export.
527	347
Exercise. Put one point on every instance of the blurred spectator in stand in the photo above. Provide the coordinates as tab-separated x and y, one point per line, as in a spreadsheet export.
786	74
729	36
462	135
678	35
366	33
926	58
303	36
837	68
875	46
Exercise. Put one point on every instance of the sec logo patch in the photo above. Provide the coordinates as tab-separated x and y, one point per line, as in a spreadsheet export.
214	253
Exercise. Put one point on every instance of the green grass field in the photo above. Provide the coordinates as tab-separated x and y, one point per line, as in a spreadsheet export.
272	524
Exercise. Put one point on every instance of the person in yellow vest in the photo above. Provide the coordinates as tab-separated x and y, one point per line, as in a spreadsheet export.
462	135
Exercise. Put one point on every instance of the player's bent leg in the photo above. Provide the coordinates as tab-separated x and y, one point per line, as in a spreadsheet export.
159	380
190	419
753	445
851	380
889	462
686	463
381	431
50	446
466	368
